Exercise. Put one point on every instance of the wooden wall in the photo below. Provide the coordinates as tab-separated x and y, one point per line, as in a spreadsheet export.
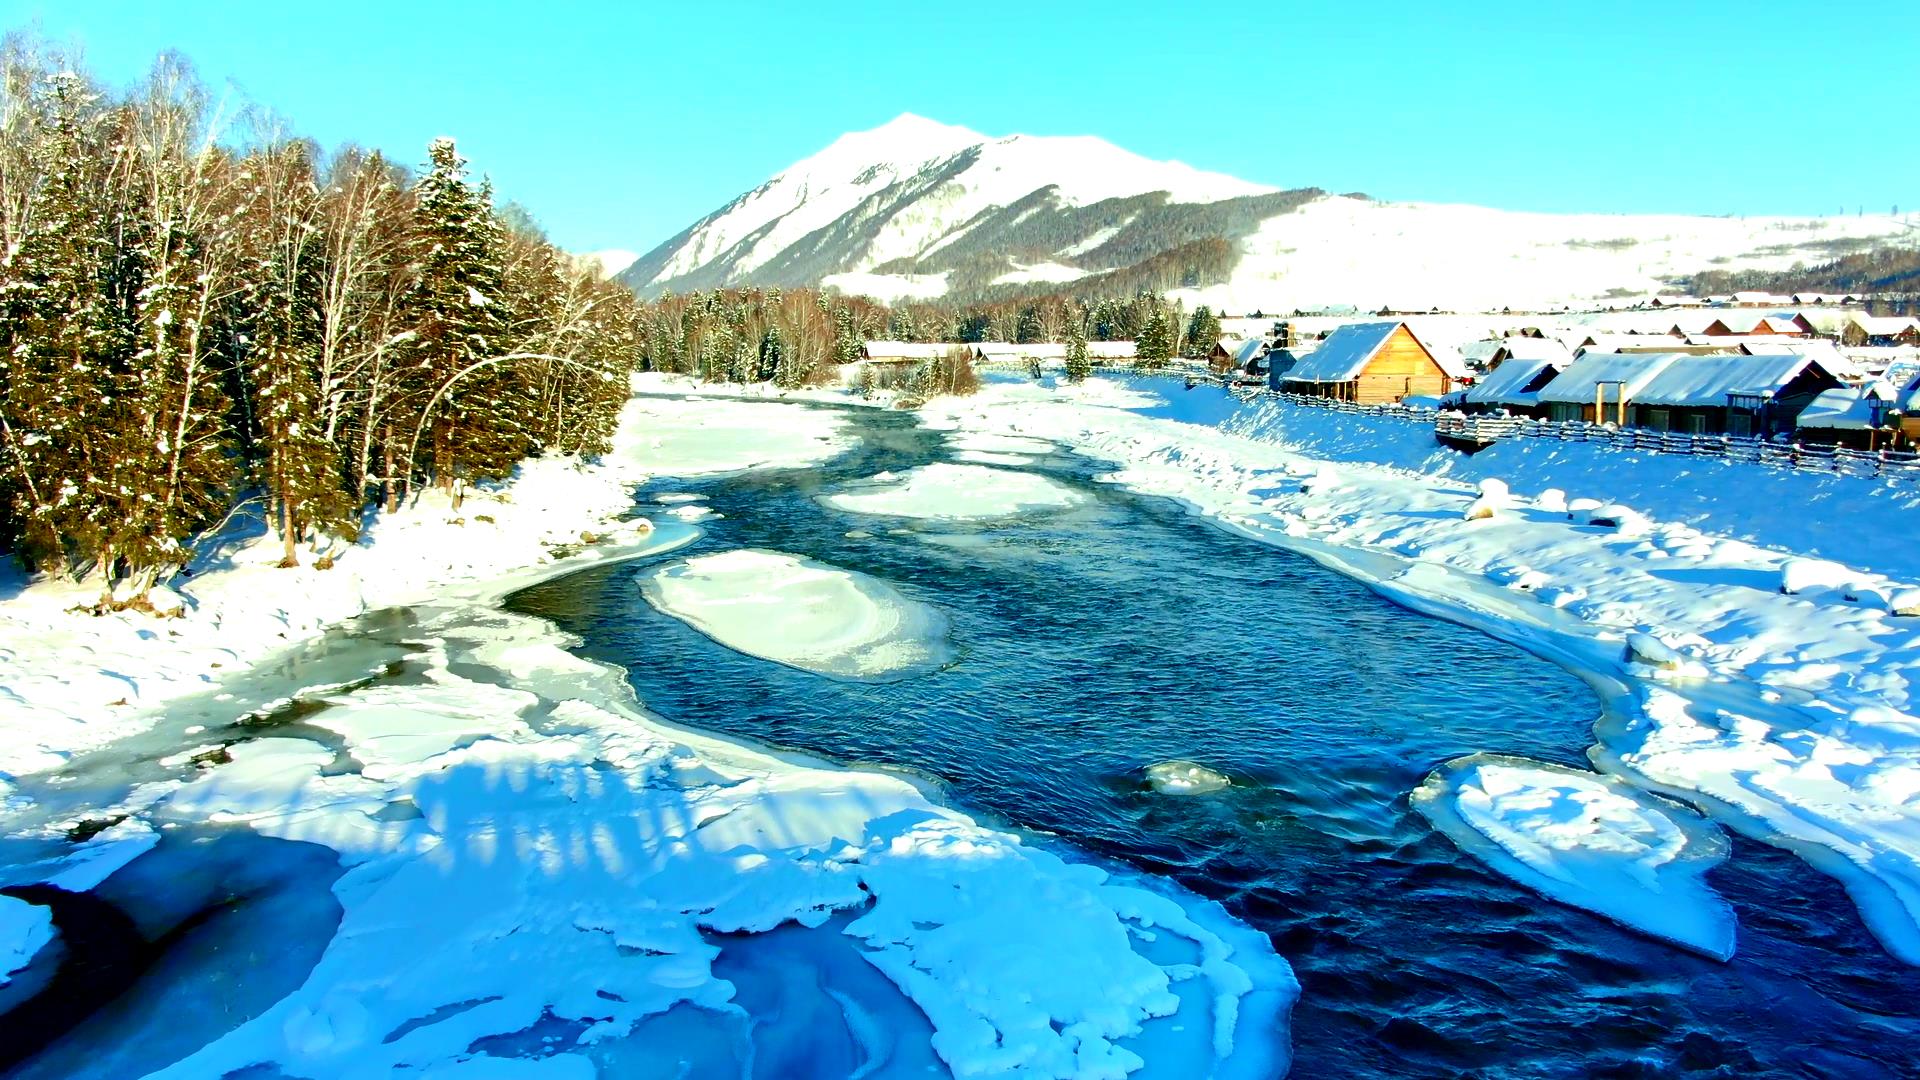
1402	368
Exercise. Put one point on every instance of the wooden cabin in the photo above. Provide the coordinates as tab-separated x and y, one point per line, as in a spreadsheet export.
1376	363
1881	330
1600	387
1731	394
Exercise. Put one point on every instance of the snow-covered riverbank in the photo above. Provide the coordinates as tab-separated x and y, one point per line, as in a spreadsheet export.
72	682
1791	714
537	869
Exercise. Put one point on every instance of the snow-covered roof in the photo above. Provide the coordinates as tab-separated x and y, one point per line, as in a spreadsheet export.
1113	350
1613	343
904	350
1345	353
1244	352
1819	350
1886	325
1034	350
1575	385
1505	385
1707	380
1846	408
1530	348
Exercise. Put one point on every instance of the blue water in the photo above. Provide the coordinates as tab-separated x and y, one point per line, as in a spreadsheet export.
1096	642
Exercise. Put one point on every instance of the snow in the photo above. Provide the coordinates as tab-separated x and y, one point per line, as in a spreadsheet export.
802	613
947	492
1791	718
1587	840
587	871
1614	377
1346	251
984	173
25	929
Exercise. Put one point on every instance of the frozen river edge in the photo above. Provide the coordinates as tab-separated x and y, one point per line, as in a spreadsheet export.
512	743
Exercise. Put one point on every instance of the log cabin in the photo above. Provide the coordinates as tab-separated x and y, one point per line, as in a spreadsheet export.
1732	394
1376	363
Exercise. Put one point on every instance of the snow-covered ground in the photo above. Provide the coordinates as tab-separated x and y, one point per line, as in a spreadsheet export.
802	613
542	879
1790	716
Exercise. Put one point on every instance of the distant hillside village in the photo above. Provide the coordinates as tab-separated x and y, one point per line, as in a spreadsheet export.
1809	368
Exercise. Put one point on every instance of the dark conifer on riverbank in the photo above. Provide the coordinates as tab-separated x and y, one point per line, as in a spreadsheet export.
192	320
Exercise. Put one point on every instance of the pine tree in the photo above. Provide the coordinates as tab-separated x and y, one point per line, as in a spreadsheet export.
62	328
1203	332
467	414
297	466
1079	365
1156	339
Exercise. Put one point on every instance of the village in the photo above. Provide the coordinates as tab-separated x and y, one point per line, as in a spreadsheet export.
1809	369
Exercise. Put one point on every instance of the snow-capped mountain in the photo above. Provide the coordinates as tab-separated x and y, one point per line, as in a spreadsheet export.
916	208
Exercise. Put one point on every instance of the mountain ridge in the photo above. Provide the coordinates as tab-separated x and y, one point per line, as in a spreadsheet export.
917	209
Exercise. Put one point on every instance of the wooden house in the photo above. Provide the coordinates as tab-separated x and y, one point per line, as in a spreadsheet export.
1731	394
1373	363
1600	387
1881	330
1514	385
1880	415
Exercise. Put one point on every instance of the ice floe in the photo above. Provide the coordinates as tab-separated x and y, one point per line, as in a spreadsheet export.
1588	840
802	613
1185	778
949	492
25	929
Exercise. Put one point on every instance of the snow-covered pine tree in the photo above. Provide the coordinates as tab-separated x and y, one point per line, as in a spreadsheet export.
61	324
467	419
1079	364
1203	332
1156	339
279	350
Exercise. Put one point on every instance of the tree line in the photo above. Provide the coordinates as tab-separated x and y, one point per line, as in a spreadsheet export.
795	337
201	313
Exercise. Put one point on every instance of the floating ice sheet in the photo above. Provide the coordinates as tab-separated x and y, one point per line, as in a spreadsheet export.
1587	840
802	613
947	492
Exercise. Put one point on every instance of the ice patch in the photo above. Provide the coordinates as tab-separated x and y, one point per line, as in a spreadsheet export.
946	492
1587	840
802	613
1185	778
25	929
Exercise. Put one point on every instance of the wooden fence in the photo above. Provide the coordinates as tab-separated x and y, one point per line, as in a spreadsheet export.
1884	464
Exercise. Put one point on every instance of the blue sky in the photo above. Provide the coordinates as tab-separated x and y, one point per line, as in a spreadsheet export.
619	124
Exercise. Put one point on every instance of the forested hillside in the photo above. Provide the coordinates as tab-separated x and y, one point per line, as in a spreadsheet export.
1893	272
197	317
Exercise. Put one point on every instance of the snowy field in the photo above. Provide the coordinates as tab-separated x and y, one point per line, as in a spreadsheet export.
1789	715
540	879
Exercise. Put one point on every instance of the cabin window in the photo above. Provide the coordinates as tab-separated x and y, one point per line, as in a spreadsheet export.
1739	424
1657	419
1697	424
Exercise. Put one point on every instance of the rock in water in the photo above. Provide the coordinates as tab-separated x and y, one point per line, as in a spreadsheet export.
1185	778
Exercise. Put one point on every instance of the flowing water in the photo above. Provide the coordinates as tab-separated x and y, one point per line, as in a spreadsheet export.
1097	641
